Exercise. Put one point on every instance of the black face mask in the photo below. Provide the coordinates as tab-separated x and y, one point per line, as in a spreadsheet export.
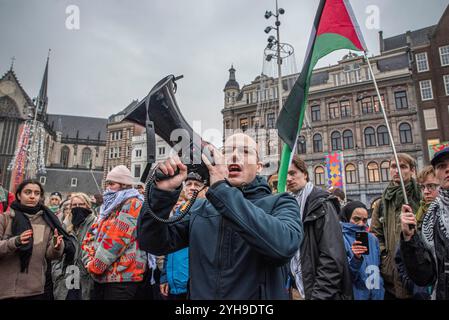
79	215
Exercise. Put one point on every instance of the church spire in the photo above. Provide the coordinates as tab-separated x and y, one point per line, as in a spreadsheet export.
42	99
13	59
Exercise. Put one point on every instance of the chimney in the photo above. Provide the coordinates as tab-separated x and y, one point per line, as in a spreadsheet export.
381	41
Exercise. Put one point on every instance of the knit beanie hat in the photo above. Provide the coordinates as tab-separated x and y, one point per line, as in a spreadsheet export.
120	174
347	210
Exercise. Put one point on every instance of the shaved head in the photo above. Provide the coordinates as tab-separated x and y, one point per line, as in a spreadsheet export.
242	159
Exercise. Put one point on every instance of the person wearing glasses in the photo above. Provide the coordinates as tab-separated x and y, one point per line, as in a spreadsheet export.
429	186
426	254
110	250
240	238
77	222
362	264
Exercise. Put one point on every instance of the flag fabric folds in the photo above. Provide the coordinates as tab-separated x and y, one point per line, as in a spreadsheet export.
334	28
334	169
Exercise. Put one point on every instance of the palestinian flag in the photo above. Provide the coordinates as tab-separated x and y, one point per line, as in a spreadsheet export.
335	28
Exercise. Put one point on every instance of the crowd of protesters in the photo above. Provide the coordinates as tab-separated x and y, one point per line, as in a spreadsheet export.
240	239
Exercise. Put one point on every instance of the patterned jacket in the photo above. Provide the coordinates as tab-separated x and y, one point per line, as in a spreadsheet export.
110	248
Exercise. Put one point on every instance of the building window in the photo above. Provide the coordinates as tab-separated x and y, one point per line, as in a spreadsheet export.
385	171
42	180
244	124
137	171
382	136
65	153
367	105
376	105
302	146
138	153
74	182
319	176
444	56
161	151
421	62
430	119
426	90
334	110
400	98
446	83
316	113
370	137
345	109
116	135
271	121
114	153
405	133
86	157
373	172
351	175
336	140
317	143
348	140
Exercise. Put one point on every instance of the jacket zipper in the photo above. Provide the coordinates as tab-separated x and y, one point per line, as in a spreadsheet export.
221	235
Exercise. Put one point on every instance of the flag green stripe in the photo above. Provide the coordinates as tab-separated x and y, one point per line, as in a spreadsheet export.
324	45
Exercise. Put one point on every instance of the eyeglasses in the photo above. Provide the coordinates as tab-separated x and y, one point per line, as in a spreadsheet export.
429	186
358	219
241	150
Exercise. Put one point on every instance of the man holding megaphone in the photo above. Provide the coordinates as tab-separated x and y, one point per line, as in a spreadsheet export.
240	239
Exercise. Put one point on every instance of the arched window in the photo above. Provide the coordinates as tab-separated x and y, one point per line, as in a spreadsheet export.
86	157
373	172
405	133
382	136
302	145
385	171
348	140
370	137
336	140
351	174
65	153
317	143
319	176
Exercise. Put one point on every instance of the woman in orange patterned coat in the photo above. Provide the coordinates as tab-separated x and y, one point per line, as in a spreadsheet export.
110	250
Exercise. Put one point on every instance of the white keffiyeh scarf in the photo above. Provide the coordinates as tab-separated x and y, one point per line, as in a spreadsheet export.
295	264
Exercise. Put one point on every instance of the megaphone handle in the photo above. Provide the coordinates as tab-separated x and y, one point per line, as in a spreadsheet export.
160	176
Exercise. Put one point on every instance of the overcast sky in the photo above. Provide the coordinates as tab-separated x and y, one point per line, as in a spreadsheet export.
124	47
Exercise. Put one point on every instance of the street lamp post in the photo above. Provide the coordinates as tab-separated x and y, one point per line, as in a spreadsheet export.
278	50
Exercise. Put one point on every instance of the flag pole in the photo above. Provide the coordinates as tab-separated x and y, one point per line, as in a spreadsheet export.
343	176
388	127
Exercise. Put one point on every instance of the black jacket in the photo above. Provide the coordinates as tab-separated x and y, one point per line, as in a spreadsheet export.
324	264
240	241
421	265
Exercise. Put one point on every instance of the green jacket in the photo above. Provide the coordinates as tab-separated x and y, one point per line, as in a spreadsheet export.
386	226
61	276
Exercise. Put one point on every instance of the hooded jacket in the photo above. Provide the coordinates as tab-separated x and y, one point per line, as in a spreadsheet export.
366	268
240	240
324	266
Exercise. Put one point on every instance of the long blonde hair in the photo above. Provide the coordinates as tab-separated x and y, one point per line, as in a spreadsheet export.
68	219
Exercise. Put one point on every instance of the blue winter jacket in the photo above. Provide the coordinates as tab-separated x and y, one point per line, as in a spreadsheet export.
367	268
176	270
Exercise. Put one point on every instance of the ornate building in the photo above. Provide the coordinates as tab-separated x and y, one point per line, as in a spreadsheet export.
343	113
74	145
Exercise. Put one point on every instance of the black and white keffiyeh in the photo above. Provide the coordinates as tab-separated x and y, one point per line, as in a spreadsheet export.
438	213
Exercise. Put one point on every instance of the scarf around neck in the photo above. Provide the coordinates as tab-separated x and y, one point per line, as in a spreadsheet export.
438	214
113	199
393	194
295	263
